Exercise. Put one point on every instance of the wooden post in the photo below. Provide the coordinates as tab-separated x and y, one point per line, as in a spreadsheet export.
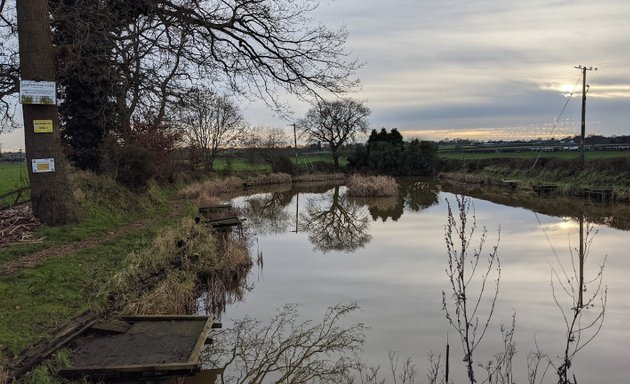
51	195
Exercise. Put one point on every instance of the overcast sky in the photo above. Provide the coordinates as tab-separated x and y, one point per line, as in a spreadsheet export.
490	69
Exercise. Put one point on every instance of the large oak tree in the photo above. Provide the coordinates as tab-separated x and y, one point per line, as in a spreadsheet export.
336	123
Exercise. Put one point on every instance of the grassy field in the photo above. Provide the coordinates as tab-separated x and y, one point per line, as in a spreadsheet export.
12	176
591	155
240	164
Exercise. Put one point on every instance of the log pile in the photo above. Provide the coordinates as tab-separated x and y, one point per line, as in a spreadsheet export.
17	225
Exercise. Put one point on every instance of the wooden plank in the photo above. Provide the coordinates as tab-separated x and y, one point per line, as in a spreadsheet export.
115	369
39	352
196	352
111	326
164	317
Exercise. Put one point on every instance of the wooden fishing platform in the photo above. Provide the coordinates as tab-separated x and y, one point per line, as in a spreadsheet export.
225	223
211	210
141	348
602	194
545	188
512	184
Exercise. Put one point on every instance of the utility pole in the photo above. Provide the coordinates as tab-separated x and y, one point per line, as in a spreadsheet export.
51	196
295	144
584	87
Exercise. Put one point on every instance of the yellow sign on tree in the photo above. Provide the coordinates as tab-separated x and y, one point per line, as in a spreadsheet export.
43	126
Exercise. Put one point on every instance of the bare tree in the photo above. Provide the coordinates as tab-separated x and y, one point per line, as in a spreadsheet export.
152	52
265	143
9	65
212	123
335	123
463	310
286	351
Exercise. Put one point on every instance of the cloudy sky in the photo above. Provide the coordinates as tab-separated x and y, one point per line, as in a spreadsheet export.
485	69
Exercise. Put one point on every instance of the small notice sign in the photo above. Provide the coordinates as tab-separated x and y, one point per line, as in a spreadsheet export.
38	92
43	126
43	165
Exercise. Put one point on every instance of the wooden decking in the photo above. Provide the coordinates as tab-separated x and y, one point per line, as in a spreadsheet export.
545	188
140	347
601	194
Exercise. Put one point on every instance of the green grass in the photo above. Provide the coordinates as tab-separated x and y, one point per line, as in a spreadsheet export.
591	155
12	176
104	205
240	164
37	300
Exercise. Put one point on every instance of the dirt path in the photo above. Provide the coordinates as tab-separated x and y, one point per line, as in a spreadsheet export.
39	257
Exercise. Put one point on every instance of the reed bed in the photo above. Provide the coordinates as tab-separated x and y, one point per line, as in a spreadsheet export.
372	186
206	193
210	192
166	277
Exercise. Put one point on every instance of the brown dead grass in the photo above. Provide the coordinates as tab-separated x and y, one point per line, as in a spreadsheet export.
4	372
166	277
372	186
207	192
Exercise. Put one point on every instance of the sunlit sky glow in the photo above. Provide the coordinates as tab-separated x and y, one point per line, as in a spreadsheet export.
483	69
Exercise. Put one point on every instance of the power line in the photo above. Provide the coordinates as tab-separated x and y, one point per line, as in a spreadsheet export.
555	123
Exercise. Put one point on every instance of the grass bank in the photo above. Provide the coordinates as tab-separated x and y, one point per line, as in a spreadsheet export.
131	253
568	174
56	282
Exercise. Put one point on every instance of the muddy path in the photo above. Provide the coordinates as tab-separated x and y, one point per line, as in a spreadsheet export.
177	209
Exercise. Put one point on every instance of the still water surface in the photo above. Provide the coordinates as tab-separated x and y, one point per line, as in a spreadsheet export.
322	247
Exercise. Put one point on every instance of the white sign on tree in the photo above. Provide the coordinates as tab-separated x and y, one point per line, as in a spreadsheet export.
38	92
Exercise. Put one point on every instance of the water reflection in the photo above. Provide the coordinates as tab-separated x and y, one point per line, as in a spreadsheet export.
335	223
611	215
333	220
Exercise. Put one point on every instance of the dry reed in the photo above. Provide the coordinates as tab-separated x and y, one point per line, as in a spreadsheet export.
372	186
166	277
207	192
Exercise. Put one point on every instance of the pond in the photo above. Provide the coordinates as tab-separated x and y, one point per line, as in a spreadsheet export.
321	247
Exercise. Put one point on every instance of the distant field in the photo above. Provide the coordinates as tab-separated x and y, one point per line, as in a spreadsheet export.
591	155
12	176
241	164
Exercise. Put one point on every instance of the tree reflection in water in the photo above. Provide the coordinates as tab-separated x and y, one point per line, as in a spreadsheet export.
414	195
335	223
267	213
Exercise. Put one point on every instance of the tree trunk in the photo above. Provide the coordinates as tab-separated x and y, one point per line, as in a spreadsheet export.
335	155
51	196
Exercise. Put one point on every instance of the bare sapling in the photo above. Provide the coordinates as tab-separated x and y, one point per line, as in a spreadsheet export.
470	293
584	315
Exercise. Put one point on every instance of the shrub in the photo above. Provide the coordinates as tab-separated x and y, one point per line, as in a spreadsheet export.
282	164
372	186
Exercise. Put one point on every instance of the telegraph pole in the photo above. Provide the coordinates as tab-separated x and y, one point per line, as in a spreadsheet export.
584	87
295	143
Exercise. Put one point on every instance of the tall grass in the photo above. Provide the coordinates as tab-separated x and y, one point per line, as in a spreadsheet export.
165	277
372	186
209	192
